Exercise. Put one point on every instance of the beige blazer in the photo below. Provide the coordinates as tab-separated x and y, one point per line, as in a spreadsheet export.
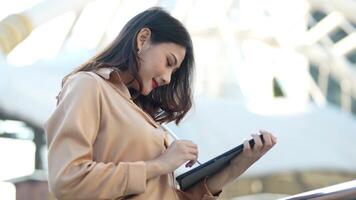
98	140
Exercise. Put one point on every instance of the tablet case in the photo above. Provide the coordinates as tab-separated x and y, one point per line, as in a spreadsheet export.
209	168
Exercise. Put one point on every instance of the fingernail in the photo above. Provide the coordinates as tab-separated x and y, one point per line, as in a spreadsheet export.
264	131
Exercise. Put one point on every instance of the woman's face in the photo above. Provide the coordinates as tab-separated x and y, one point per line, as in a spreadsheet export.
157	63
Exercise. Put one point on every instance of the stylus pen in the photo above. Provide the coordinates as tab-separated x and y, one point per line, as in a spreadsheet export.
173	135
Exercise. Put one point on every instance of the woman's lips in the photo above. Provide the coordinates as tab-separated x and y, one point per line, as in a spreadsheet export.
154	84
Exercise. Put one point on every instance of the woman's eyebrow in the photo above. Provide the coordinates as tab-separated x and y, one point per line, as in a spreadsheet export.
175	59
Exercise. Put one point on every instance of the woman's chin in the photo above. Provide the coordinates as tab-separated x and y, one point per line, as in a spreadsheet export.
146	92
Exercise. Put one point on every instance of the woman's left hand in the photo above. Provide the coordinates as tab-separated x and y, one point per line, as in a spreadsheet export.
242	162
251	154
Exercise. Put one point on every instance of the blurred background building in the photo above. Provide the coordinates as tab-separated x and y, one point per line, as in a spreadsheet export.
287	66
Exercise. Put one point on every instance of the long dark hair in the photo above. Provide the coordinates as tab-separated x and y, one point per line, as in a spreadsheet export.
169	102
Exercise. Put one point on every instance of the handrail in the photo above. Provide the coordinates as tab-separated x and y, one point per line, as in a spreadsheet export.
345	190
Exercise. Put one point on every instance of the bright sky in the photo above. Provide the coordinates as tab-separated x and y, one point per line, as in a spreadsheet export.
13	6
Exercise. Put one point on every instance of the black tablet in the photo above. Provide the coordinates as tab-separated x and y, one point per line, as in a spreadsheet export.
209	168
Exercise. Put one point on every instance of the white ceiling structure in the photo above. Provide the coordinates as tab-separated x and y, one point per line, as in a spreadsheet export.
240	47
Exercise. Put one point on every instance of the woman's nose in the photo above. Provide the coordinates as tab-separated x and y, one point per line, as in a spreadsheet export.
166	78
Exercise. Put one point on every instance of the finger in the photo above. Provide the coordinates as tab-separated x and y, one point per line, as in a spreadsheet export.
267	139
264	131
258	142
192	159
188	151
247	146
274	138
268	144
193	151
184	146
189	143
190	163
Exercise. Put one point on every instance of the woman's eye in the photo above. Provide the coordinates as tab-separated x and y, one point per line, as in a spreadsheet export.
168	63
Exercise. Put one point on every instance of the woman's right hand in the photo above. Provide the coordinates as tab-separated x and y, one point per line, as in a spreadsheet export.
178	153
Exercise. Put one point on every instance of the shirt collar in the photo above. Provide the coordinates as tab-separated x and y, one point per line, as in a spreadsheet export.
105	72
122	88
112	75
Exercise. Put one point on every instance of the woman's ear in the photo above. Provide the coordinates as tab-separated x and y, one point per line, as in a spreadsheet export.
143	37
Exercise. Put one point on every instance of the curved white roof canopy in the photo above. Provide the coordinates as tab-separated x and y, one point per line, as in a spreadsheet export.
317	138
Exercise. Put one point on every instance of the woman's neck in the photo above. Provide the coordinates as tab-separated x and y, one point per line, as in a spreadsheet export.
128	79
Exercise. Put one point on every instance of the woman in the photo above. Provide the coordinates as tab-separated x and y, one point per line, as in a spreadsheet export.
104	138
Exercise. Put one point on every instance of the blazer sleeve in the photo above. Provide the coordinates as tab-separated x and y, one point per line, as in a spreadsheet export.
71	131
199	191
